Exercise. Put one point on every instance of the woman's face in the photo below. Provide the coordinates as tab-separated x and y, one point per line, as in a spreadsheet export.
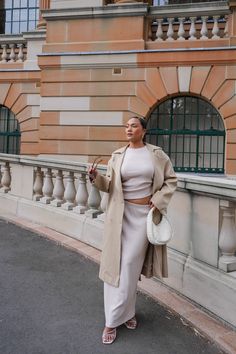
134	130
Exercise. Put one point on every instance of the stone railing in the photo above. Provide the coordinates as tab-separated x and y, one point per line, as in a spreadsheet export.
61	184
206	21
213	210
13	49
201	255
64	185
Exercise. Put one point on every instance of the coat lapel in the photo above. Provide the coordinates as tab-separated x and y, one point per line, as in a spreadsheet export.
118	159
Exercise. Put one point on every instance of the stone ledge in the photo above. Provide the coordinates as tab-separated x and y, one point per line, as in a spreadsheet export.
134	9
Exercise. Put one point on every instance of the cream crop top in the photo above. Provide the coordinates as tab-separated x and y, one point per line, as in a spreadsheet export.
137	172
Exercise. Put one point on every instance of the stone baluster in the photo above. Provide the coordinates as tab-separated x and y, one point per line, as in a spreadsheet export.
103	206
6	178
159	32
12	53
204	30
70	192
94	201
170	32
47	187
227	237
0	177
81	195
181	31
215	29
192	30
58	190
20	57
38	184
226	30
4	53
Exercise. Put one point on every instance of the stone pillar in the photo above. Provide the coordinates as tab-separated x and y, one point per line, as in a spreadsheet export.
70	192
43	5
81	195
232	19
6	178
227	237
94	201
103	206
38	184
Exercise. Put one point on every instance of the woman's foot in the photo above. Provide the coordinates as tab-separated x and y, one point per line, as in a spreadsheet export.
109	335
132	323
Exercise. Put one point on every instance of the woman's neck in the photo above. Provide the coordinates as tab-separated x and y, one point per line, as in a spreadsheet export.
136	145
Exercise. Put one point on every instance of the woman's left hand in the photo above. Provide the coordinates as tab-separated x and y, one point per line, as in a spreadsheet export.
151	205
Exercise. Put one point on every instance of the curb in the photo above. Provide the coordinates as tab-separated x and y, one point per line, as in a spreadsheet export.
190	314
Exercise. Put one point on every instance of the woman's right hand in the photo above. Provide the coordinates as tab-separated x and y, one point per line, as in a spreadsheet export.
92	172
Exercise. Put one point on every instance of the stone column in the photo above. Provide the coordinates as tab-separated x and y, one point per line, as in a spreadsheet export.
43	5
94	201
232	19
227	237
6	178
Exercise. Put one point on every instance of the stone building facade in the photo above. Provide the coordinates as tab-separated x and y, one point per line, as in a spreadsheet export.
74	81
68	87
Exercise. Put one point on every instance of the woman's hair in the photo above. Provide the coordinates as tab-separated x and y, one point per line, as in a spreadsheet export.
142	121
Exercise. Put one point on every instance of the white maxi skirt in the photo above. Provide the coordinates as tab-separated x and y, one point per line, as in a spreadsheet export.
119	303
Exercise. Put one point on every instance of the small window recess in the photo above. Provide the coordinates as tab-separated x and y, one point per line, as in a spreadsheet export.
116	71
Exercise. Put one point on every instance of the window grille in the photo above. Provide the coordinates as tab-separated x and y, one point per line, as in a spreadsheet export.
9	132
18	16
191	132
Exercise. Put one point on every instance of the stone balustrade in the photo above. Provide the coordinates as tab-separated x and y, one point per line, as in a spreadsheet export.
66	188
13	49
191	23
59	184
201	255
65	185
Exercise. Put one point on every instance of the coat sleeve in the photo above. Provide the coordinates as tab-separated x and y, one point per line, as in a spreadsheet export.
162	197
103	182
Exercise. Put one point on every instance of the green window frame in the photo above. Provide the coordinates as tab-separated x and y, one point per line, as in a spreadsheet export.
9	132
191	131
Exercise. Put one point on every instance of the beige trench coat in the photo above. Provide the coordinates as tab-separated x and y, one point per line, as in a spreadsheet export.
164	185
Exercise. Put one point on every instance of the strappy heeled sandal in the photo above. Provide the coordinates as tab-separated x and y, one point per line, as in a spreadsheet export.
109	337
132	323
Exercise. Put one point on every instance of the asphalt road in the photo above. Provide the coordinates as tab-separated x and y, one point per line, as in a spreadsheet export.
51	302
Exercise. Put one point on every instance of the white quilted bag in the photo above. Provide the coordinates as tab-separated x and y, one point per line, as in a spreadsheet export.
159	234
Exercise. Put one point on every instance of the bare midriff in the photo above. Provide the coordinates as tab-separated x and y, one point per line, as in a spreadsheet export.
142	201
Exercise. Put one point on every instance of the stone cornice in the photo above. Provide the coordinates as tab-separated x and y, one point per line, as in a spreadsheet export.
143	51
141	58
35	35
11	38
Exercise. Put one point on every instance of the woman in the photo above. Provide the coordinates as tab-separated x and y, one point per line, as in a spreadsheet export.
139	176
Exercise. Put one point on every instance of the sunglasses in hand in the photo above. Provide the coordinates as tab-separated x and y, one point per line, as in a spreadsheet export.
92	172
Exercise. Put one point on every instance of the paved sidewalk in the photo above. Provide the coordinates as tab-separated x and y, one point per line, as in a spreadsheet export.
51	303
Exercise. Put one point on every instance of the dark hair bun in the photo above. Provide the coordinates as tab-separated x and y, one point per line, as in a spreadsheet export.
142	121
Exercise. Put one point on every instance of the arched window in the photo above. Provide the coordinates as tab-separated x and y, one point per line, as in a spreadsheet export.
191	132
18	16
9	132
